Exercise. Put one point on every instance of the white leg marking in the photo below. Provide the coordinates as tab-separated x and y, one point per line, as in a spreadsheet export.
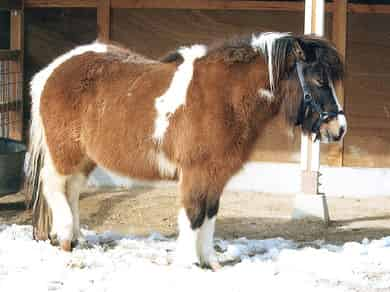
54	192
74	186
186	249
206	243
175	96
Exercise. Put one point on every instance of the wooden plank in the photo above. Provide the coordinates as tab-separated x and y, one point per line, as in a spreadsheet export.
9	55
60	3
103	20
11	4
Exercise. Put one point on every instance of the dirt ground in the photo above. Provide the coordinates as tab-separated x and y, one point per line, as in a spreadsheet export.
242	214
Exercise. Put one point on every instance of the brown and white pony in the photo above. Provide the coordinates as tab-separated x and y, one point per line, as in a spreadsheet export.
193	116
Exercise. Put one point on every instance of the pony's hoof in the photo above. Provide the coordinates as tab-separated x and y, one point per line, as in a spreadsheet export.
215	266
54	240
81	243
66	245
74	243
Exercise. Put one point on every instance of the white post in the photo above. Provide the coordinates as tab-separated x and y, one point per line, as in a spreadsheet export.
309	203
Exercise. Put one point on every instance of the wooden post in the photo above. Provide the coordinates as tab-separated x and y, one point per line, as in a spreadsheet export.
310	150
339	38
103	20
309	203
16	117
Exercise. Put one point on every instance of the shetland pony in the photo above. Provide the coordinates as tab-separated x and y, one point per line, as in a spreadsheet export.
193	116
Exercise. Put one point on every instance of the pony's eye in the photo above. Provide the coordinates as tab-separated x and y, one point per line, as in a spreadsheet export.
320	83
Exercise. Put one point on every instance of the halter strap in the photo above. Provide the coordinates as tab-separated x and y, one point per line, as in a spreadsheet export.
308	103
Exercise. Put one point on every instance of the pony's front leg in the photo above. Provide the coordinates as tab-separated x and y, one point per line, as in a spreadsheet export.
195	244
186	249
196	223
206	249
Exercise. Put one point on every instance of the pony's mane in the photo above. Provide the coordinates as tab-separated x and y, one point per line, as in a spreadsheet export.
276	48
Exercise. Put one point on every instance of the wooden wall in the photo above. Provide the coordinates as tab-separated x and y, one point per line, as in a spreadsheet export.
368	91
51	32
153	32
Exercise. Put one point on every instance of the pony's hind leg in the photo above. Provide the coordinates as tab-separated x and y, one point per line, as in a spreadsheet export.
54	191
74	184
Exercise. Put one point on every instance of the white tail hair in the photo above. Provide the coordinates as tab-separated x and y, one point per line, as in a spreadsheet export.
37	143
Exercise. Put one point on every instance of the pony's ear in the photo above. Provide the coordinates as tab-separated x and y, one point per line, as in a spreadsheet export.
239	55
295	54
298	51
308	47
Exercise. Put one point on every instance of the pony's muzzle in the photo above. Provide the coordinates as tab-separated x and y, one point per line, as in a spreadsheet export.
334	130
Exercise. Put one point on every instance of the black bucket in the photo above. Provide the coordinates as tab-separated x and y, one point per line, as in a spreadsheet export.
11	165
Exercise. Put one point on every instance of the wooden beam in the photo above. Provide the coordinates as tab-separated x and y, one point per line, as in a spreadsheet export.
339	27
60	3
339	38
210	4
310	203
368	8
9	55
310	149
11	4
103	20
204	4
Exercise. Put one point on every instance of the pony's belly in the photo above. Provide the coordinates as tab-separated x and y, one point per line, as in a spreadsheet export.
101	177
141	165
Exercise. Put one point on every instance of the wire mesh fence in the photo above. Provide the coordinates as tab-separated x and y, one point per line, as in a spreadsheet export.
11	102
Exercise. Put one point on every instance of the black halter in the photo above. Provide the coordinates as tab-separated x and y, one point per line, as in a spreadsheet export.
309	103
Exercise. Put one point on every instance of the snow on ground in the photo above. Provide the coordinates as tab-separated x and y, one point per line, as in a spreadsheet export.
117	263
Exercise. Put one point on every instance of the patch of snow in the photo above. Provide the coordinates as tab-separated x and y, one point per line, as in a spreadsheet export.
113	262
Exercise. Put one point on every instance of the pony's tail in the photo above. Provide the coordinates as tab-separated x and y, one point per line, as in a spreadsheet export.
41	213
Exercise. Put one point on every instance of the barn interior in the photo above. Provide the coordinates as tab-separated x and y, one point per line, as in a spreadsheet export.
47	29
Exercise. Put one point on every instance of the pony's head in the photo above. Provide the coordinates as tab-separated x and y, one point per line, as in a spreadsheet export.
303	71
